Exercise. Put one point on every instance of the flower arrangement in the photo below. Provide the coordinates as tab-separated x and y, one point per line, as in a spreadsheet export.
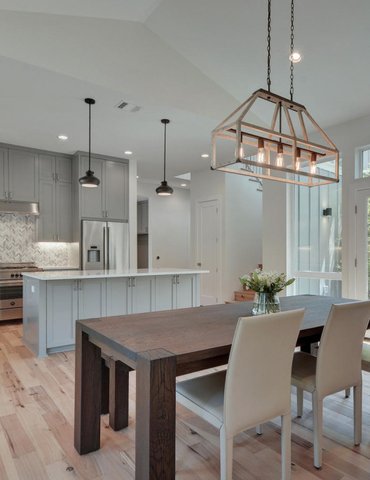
265	282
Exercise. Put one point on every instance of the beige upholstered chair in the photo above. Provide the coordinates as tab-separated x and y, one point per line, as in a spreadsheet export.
337	366
254	389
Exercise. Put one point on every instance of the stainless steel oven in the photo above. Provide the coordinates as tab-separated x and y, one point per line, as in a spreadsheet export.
11	289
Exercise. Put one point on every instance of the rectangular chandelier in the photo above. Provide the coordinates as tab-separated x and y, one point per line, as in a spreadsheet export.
292	148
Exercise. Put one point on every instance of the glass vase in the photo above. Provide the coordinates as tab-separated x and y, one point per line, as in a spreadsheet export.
265	303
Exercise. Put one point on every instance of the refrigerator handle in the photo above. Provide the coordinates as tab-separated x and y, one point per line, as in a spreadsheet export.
108	253
104	247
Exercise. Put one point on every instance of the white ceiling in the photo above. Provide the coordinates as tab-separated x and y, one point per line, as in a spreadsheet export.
191	61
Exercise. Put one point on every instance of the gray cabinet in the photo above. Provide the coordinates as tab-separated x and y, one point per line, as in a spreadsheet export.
61	312
117	296
19	170
3	173
141	294
55	221
185	293
91	298
110	199
165	292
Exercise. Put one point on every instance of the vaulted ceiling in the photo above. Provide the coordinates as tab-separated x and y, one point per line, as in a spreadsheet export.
192	61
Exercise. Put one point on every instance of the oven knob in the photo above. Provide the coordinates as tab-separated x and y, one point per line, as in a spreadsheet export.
16	275
12	275
21	275
12	303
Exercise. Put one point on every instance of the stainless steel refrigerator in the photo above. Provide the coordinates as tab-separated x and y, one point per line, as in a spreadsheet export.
104	245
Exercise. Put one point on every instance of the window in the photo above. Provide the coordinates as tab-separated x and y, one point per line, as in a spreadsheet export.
364	162
317	240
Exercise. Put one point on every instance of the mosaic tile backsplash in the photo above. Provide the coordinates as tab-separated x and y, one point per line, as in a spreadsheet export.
18	244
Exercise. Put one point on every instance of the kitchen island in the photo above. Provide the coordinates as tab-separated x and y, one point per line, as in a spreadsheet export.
54	301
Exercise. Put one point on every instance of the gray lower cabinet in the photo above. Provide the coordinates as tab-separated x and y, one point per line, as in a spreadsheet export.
91	298
71	300
61	312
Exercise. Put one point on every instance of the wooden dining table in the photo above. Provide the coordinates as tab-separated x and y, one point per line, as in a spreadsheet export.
160	346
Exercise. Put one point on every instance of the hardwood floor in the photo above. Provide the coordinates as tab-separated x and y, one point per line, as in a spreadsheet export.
36	431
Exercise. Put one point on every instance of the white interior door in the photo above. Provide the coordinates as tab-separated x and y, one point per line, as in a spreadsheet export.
362	260
209	250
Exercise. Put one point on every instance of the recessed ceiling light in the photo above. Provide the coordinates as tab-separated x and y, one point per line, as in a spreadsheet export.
63	137
204	155
295	57
137	176
128	152
184	185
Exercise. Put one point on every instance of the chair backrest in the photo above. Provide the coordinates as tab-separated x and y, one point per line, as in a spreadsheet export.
339	356
257	386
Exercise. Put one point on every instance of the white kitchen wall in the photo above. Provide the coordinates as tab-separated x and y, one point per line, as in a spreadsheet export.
241	220
169	226
17	244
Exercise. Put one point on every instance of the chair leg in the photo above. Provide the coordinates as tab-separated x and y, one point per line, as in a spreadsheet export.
317	407
357	413
347	392
286	447
259	429
226	456
299	402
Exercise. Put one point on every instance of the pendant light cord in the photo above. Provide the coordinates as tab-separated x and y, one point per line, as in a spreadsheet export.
269	45
291	50
164	151
90	136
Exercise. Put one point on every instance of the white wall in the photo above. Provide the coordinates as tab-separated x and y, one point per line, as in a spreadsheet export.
241	224
169	226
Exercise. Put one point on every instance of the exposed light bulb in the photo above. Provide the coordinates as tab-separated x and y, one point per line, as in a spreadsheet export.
261	151
280	155
313	166
298	159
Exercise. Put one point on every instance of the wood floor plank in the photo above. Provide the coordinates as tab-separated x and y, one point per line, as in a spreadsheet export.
36	431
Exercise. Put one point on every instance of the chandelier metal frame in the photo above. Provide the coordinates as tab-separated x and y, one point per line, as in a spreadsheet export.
291	148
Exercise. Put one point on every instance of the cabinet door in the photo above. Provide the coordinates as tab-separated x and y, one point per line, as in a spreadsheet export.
63	169
63	204
164	292
61	311
23	175
116	190
91	298
3	173
92	205
47	220
184	291
141	294
117	296
46	167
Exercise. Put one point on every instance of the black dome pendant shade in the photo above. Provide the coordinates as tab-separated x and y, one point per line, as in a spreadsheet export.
164	189
89	180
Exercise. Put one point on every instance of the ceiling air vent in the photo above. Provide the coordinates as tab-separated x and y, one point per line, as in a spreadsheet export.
128	107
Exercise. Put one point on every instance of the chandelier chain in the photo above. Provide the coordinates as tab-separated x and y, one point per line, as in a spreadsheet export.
269	45
291	50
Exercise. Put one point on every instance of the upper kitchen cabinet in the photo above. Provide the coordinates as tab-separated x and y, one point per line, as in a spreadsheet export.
55	221
3	173
20	174
142	217
108	201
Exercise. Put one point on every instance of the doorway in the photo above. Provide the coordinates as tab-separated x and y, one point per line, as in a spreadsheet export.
209	250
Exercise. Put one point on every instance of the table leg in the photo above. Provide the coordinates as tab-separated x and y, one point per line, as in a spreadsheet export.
104	387
155	416
118	394
87	394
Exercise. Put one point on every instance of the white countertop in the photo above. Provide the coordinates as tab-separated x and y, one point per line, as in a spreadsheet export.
86	274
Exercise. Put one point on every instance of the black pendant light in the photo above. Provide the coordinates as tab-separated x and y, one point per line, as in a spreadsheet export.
163	188
89	180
